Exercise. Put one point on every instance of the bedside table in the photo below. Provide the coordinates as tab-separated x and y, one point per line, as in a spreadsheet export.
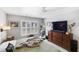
9	38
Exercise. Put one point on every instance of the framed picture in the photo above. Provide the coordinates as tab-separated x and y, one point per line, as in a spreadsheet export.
14	24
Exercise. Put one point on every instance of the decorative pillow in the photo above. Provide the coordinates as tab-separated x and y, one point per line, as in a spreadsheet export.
33	43
31	35
10	48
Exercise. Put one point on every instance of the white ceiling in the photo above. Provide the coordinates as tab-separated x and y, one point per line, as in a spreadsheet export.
28	11
53	8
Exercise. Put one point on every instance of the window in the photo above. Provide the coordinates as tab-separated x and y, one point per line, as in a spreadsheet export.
29	27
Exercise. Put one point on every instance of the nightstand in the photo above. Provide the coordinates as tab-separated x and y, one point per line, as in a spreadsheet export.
9	38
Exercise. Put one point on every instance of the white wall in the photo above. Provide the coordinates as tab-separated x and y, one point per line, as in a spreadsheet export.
2	21
69	14
16	32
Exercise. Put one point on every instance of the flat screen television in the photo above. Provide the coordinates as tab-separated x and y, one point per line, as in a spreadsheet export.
60	26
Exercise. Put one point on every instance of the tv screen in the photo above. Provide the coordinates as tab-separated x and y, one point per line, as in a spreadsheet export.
60	26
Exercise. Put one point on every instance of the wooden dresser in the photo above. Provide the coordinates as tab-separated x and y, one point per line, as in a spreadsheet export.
60	38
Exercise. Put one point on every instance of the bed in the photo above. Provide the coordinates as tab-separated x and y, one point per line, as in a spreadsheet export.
4	45
45	46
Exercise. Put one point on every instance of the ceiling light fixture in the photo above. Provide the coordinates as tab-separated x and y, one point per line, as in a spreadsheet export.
44	9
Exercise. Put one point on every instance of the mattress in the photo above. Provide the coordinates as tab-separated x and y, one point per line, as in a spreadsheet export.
45	46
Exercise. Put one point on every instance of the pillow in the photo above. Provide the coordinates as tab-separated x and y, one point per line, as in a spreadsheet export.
33	43
4	45
10	48
31	35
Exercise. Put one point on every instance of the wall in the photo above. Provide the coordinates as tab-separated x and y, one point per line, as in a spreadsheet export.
16	32
2	21
69	14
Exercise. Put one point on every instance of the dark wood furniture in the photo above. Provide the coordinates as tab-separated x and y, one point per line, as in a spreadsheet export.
60	38
74	46
9	38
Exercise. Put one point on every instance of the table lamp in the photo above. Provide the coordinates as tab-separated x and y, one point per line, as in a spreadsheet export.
4	28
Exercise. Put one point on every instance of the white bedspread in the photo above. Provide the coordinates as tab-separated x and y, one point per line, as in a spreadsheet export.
5	44
45	46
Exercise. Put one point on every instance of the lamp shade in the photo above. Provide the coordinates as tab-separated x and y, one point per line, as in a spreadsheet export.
5	27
